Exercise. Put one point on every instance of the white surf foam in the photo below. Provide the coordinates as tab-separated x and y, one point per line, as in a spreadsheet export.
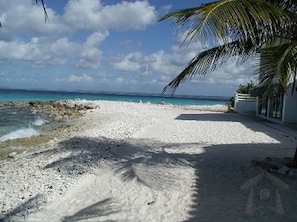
38	122
20	133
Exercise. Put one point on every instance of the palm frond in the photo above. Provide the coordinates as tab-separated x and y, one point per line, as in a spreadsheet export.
211	59
277	67
241	28
287	5
44	9
238	19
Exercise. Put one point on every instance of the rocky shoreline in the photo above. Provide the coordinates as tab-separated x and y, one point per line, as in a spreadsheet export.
146	162
65	112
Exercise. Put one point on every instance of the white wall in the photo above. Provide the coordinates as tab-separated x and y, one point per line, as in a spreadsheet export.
290	106
244	103
245	107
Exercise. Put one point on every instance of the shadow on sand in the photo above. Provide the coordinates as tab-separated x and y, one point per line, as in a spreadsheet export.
20	211
216	189
99	209
220	171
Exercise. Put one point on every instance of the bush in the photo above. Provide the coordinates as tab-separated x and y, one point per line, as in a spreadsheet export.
246	89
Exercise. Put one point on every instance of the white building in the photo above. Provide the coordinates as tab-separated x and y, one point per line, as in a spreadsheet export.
277	107
245	103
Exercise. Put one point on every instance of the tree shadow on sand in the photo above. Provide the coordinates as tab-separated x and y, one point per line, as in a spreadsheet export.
218	196
220	170
99	209
23	209
81	155
219	177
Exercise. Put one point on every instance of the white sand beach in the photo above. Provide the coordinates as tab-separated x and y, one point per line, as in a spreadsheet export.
144	162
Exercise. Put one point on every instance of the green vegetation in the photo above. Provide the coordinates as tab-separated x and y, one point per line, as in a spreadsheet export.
246	89
241	29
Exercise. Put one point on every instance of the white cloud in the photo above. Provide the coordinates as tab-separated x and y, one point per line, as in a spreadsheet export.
88	25
41	52
158	62
170	64
90	56
92	15
24	17
96	38
230	74
119	80
80	78
83	78
38	52
129	63
62	47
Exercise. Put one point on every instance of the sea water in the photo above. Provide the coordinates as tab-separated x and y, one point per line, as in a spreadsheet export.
20	122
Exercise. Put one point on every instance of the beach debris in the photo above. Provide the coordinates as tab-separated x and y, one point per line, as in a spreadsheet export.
277	165
151	202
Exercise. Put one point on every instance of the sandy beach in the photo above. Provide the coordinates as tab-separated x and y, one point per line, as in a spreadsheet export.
129	161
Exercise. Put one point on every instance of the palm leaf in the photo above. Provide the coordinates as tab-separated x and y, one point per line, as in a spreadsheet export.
277	67
213	58
44	8
243	20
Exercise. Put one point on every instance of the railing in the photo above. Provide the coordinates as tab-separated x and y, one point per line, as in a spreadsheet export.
244	97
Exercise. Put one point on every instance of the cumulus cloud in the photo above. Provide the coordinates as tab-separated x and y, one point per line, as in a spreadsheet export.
169	64
80	78
24	17
75	78
157	62
229	74
96	38
161	62
38	52
82	35
132	62
41	52
92	15
90	56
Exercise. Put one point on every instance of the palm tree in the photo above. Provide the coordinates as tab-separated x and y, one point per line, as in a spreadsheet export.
240	29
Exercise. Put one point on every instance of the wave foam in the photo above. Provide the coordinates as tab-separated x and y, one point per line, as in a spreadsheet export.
38	122
20	133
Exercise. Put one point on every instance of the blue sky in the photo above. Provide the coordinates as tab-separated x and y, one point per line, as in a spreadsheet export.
106	45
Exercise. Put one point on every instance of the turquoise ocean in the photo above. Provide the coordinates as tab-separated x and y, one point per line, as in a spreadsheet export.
19	122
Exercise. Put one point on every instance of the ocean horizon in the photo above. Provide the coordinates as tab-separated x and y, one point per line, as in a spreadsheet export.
25	95
20	122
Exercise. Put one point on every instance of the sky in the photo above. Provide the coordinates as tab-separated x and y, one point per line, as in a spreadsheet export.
104	45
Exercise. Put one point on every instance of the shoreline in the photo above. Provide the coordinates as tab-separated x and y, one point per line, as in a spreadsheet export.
138	161
68	113
60	114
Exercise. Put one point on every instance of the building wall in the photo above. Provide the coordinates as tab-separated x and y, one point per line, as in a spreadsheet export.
244	103
290	106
